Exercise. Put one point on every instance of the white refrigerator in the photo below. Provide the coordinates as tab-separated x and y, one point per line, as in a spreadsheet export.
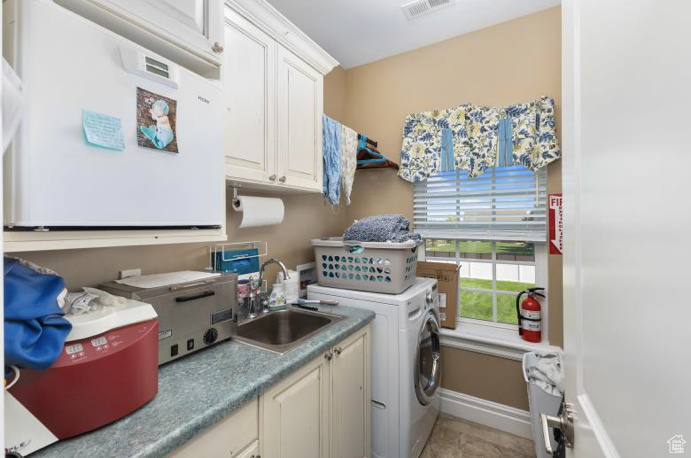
113	135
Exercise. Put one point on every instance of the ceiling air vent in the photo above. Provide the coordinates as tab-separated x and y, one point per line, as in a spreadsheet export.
419	8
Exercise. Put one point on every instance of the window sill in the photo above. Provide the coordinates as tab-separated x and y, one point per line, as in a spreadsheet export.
503	343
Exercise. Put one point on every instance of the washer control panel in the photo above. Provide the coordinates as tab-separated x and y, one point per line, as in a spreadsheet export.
432	297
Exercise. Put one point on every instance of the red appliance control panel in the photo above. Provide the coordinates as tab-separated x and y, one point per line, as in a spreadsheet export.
101	346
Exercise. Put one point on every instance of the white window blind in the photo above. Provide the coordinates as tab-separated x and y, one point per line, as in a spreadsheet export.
504	203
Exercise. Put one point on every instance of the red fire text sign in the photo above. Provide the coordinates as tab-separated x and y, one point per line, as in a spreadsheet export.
556	224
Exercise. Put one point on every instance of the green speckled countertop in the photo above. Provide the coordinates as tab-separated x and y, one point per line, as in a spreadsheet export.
200	390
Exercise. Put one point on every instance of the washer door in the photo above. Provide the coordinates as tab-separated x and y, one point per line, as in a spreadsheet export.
427	365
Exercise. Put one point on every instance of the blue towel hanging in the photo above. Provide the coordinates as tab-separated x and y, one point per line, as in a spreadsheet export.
332	160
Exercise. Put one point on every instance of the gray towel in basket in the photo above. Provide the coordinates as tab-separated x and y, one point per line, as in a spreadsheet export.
381	228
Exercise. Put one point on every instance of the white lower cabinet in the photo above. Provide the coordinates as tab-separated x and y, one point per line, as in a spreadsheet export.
323	410
250	452
350	398
234	437
320	411
296	414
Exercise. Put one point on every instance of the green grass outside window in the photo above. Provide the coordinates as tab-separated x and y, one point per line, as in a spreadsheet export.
479	305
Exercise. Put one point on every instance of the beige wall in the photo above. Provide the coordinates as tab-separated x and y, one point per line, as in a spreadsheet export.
515	61
306	217
511	62
483	376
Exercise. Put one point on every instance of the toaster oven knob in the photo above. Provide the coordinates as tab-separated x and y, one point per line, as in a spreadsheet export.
210	336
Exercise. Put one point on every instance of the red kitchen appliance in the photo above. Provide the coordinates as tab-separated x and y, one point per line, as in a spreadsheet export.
108	369
530	315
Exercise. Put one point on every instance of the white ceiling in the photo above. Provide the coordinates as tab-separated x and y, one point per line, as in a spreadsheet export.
356	32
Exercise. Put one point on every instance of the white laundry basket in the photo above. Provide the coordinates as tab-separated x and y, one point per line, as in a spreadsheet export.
366	266
540	402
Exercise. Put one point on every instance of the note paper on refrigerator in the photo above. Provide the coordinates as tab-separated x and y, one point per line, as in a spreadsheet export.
102	130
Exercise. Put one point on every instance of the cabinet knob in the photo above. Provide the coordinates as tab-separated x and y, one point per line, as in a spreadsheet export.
328	356
338	350
282	179
272	178
217	48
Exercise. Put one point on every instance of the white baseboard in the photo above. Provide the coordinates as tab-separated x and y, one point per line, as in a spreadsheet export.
499	416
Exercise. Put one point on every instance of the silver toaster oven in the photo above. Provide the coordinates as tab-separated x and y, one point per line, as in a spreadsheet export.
191	316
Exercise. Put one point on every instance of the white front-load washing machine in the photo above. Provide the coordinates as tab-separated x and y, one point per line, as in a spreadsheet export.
406	370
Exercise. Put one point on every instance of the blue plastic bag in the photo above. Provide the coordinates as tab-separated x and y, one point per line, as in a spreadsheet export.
35	327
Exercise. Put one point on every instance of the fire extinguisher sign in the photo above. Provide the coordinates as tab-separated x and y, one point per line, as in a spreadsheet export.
556	224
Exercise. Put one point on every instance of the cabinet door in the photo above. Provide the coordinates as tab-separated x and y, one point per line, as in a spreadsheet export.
351	397
249	72
196	22
231	438
250	452
194	25
296	414
301	104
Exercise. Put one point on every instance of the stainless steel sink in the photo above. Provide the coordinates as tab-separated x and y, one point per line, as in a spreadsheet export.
283	330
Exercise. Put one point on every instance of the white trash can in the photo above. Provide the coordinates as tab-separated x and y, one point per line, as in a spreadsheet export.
540	402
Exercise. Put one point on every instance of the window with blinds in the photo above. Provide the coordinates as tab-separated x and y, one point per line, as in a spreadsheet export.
504	203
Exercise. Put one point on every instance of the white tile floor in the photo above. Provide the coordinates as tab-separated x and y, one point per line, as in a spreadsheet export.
456	438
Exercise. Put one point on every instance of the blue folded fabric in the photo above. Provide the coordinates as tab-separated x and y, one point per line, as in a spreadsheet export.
332	160
381	228
35	327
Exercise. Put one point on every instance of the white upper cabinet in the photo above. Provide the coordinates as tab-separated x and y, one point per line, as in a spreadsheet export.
273	77
249	70
188	32
301	104
195	23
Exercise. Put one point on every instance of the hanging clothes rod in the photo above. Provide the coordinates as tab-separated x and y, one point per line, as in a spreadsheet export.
371	142
369	157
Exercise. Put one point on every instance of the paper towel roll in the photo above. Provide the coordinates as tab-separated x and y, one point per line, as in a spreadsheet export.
259	211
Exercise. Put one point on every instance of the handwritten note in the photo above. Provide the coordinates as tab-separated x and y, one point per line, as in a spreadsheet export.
102	130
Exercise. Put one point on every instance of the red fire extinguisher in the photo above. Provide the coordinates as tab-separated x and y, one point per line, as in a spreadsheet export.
529	315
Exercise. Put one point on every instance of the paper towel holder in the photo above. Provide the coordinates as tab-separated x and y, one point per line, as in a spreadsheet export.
235	202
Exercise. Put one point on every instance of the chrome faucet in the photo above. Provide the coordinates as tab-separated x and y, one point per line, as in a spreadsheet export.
253	289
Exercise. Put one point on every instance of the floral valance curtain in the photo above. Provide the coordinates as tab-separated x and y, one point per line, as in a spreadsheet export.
474	138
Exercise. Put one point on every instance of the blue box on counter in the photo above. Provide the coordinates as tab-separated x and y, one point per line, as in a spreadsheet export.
237	261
